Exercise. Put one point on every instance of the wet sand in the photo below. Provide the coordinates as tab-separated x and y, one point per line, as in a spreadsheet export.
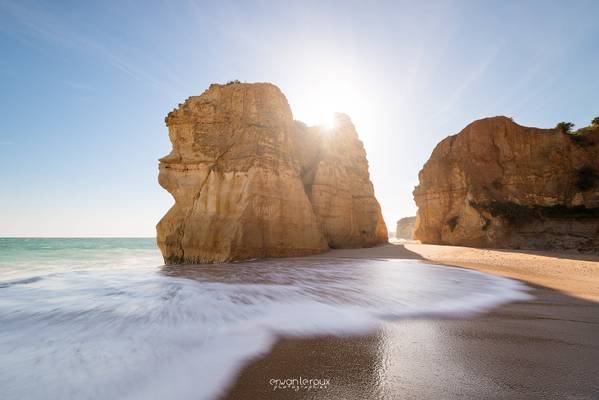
544	348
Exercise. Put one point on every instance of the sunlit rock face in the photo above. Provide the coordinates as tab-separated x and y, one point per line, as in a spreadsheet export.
243	175
405	228
499	184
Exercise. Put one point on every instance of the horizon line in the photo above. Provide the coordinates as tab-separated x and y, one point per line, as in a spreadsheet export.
77	237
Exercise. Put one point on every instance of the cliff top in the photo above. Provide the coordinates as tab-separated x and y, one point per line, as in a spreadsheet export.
484	123
226	94
236	98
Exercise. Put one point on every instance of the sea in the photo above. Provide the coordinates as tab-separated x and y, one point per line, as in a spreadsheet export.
104	318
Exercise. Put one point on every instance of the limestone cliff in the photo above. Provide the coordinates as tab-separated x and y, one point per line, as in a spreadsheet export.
243	175
334	171
405	228
499	184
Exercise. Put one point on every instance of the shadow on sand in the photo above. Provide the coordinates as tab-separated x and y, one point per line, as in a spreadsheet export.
565	254
543	349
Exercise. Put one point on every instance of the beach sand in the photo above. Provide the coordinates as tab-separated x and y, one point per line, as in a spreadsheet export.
542	348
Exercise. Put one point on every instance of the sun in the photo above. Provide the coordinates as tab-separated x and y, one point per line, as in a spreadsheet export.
321	99
319	110
325	119
322	86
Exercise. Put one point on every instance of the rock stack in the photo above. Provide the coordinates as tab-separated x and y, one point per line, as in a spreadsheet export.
250	182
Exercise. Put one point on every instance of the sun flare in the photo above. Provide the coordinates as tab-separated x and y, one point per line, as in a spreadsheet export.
327	88
324	94
320	107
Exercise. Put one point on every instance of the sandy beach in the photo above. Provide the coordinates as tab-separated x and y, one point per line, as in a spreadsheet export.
542	348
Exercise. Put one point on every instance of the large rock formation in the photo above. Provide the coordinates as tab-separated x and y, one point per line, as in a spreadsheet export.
334	172
249	182
499	184
405	228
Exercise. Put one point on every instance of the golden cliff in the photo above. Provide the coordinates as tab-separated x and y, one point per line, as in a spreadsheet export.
499	184
405	228
250	182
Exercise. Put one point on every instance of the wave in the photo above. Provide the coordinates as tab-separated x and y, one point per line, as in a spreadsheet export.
25	281
143	332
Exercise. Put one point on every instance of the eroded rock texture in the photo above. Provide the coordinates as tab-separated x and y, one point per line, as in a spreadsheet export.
499	184
334	172
249	182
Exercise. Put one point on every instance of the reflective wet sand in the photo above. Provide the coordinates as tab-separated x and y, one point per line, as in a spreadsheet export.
544	348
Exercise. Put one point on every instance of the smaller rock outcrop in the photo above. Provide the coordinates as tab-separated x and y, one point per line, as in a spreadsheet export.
500	184
405	228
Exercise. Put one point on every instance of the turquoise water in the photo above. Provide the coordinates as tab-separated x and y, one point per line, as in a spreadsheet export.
22	256
105	319
57	249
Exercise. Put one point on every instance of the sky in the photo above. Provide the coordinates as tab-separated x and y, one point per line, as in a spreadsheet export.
85	87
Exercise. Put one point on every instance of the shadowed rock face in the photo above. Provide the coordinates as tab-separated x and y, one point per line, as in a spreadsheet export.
249	182
499	184
334	172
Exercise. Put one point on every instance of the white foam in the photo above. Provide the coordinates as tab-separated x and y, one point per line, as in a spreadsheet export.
119	329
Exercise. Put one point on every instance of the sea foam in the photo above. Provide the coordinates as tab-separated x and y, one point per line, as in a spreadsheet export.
121	326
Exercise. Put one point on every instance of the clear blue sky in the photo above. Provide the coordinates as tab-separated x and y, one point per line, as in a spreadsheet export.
85	86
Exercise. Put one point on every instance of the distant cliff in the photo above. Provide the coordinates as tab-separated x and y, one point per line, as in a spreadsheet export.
405	228
250	182
499	184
